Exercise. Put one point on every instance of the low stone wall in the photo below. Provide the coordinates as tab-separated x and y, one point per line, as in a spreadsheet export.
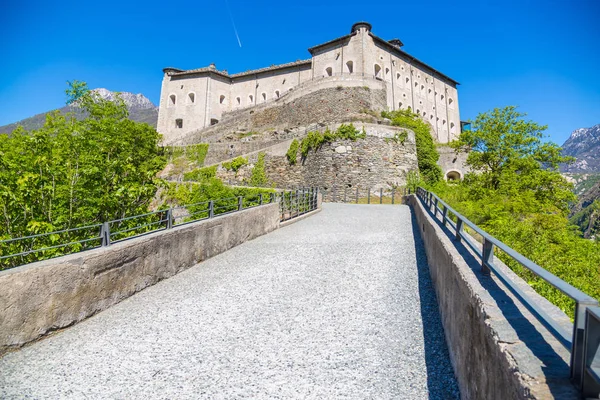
39	298
498	349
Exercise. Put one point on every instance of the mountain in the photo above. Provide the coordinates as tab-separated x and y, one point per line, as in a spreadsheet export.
586	213
140	109
584	145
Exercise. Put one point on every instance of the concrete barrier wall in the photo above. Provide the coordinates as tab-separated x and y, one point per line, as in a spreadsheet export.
498	349
38	298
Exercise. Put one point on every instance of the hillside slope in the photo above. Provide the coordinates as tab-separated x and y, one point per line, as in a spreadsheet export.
141	109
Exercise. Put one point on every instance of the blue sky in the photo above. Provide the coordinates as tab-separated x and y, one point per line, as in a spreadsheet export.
543	55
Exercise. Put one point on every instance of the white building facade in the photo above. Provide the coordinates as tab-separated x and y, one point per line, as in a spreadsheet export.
194	99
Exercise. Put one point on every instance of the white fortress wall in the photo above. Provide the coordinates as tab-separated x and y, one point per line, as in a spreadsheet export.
203	95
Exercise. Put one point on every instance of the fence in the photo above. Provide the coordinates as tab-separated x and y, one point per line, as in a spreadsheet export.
584	340
27	249
354	194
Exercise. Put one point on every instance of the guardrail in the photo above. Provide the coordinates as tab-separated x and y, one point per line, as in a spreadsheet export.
584	340
354	194
297	202
23	250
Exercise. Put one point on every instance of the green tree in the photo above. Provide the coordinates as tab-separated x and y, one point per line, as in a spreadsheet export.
502	143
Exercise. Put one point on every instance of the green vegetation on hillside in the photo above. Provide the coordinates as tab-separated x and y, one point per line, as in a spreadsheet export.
315	139
259	175
427	155
518	196
75	172
235	164
292	153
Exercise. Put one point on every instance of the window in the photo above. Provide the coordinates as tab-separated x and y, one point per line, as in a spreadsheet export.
387	72
452	130
222	99
397	76
178	123
442	97
443	122
250	99
191	97
429	91
416	84
172	100
450	101
431	116
239	101
277	93
418	111
407	79
214	121
404	95
264	96
350	66
328	71
377	70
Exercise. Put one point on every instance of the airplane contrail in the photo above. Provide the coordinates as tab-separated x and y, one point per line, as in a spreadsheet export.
233	23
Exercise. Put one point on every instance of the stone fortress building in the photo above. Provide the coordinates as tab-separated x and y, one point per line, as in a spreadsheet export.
196	99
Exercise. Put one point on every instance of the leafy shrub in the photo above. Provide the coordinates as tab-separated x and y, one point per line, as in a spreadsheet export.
315	139
427	155
200	174
235	164
259	176
292	152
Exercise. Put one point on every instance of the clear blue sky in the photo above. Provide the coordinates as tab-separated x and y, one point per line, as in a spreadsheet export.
542	55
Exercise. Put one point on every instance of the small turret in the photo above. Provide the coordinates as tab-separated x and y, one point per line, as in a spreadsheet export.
357	26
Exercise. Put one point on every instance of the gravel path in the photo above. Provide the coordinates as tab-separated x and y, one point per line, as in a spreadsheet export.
333	306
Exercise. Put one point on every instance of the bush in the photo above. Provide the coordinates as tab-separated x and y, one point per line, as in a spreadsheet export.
235	164
315	139
200	174
292	153
259	176
427	155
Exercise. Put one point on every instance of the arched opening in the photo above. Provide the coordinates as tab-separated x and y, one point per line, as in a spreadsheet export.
191	97
350	66
398	76
250	99
214	121
239	101
172	100
453	175
264	96
387	72
400	105
442	97
422	87
452	128
222	99
178	123
328	71
377	70
277	93
407	79
450	101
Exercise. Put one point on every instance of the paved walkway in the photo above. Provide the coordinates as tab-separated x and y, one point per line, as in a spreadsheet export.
333	306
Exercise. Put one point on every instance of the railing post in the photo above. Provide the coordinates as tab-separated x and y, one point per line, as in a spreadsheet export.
260	199
487	256
211	209
577	347
345	193
105	234
393	194
380	195
444	216
357	195
273	198
297	203
435	208
459	228
333	194
169	218
240	203
369	196
590	387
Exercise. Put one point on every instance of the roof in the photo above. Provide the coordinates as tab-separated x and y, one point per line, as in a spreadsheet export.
312	49
405	54
180	72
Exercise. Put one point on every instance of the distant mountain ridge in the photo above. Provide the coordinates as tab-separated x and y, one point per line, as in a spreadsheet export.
584	145
141	109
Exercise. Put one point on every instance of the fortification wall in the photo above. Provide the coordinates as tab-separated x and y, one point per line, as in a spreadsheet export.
373	162
327	102
454	166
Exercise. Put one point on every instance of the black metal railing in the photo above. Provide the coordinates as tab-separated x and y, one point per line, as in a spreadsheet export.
297	202
23	250
583	341
357	195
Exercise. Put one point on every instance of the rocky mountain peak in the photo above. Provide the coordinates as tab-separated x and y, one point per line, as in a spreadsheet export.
138	101
584	145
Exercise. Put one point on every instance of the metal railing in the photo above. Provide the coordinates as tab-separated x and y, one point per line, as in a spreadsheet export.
18	251
357	195
297	202
584	340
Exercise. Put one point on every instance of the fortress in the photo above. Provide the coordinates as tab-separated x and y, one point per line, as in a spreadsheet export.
192	100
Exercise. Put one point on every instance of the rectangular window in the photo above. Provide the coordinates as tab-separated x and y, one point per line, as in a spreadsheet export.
179	123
